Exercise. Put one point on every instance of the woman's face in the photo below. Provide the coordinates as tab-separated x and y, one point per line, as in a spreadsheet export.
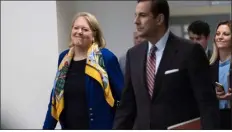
81	34
223	37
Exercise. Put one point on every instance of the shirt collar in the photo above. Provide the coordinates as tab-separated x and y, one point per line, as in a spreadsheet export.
161	43
226	62
206	50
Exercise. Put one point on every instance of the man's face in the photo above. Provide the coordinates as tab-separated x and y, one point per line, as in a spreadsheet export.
137	39
144	20
201	39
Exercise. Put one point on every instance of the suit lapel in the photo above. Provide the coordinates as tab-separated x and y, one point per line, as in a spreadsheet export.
141	68
167	57
142	65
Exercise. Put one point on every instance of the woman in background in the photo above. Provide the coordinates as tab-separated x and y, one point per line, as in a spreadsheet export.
88	82
221	70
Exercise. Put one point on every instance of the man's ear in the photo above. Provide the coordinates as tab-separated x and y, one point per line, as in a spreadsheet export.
208	37
160	19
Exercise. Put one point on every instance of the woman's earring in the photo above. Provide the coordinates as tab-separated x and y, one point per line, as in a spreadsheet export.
92	40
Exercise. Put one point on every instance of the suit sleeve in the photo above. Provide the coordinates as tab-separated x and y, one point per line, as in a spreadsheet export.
230	78
199	72
50	122
125	114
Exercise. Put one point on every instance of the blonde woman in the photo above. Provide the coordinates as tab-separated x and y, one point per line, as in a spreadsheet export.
221	70
88	82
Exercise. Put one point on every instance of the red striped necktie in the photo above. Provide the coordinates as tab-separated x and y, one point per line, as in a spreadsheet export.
150	69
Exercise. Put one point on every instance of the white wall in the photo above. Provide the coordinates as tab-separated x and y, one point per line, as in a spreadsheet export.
29	54
199	10
116	20
65	13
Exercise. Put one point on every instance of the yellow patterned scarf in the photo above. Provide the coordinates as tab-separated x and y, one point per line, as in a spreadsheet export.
95	68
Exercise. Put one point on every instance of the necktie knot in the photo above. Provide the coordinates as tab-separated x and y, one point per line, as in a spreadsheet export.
153	50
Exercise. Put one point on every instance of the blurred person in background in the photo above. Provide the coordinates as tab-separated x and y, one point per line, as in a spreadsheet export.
122	60
221	71
199	32
88	82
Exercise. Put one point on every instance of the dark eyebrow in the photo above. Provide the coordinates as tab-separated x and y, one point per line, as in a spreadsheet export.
141	13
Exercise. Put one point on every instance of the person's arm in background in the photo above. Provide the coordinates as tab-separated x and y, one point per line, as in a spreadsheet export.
50	122
122	62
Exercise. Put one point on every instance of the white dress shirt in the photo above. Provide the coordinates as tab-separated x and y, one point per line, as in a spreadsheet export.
160	48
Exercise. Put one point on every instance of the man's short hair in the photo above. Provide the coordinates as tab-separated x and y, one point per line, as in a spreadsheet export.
199	28
160	7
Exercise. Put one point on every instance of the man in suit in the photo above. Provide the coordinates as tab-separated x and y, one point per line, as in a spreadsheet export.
167	78
230	81
122	60
199	32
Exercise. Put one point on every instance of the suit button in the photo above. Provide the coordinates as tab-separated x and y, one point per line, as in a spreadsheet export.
90	109
91	114
118	104
91	119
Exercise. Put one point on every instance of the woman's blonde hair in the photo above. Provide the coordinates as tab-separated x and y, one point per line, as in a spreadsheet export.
94	26
215	54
